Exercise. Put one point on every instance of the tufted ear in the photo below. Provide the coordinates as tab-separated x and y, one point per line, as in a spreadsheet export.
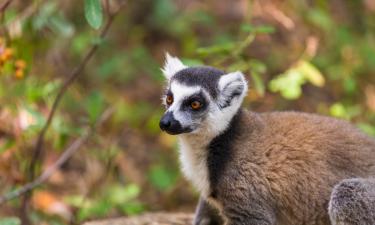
171	66
232	89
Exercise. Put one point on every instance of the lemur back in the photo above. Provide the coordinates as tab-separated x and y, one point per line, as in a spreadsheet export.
291	161
280	168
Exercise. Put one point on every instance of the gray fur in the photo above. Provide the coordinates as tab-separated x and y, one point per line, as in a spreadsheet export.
284	165
207	215
204	76
353	202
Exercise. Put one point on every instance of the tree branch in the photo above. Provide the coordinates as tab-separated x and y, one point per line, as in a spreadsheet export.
65	156
38	149
71	78
4	6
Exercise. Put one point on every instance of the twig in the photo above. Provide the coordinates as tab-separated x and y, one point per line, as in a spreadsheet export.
71	78
4	6
67	153
38	149
27	12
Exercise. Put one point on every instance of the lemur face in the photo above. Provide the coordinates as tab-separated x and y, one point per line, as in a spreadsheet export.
199	99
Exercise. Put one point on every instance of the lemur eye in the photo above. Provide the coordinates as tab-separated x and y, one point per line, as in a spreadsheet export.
169	100
195	105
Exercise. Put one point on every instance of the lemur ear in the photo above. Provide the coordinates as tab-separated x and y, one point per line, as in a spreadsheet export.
232	89
171	66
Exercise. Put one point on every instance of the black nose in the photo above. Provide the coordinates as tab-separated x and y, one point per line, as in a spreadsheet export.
165	122
170	125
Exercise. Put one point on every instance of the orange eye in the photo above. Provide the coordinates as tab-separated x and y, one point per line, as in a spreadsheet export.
195	105
169	100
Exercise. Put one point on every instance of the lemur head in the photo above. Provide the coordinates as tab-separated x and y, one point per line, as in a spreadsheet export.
200	99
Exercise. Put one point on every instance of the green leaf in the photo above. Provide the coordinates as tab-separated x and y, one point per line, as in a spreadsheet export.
10	221
338	110
94	13
265	29
95	106
311	73
288	84
217	49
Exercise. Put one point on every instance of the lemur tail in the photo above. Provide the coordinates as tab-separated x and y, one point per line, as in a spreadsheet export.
353	202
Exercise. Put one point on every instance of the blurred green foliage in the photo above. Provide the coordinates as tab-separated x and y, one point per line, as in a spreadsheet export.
314	56
10	221
289	84
118	197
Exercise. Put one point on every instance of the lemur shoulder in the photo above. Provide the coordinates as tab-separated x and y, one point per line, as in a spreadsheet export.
264	168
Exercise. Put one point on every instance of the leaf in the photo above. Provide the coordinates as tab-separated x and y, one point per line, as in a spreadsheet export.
265	29
217	49
94	13
311	73
10	221
338	110
95	106
288	84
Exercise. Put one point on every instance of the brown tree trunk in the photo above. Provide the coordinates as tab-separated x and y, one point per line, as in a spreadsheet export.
149	218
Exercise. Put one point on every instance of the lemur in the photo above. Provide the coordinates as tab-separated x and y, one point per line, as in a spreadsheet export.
278	168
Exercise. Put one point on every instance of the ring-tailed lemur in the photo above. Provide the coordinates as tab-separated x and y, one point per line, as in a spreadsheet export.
264	168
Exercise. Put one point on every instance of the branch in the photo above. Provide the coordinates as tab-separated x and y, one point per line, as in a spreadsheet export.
38	149
67	153
71	78
4	6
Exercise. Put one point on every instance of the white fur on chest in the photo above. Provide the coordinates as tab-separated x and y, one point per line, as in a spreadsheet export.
193	158
194	152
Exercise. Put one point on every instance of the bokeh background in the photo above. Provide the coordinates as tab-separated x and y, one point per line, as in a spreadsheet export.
313	56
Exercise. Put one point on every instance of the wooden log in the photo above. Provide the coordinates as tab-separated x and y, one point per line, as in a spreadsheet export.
148	219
